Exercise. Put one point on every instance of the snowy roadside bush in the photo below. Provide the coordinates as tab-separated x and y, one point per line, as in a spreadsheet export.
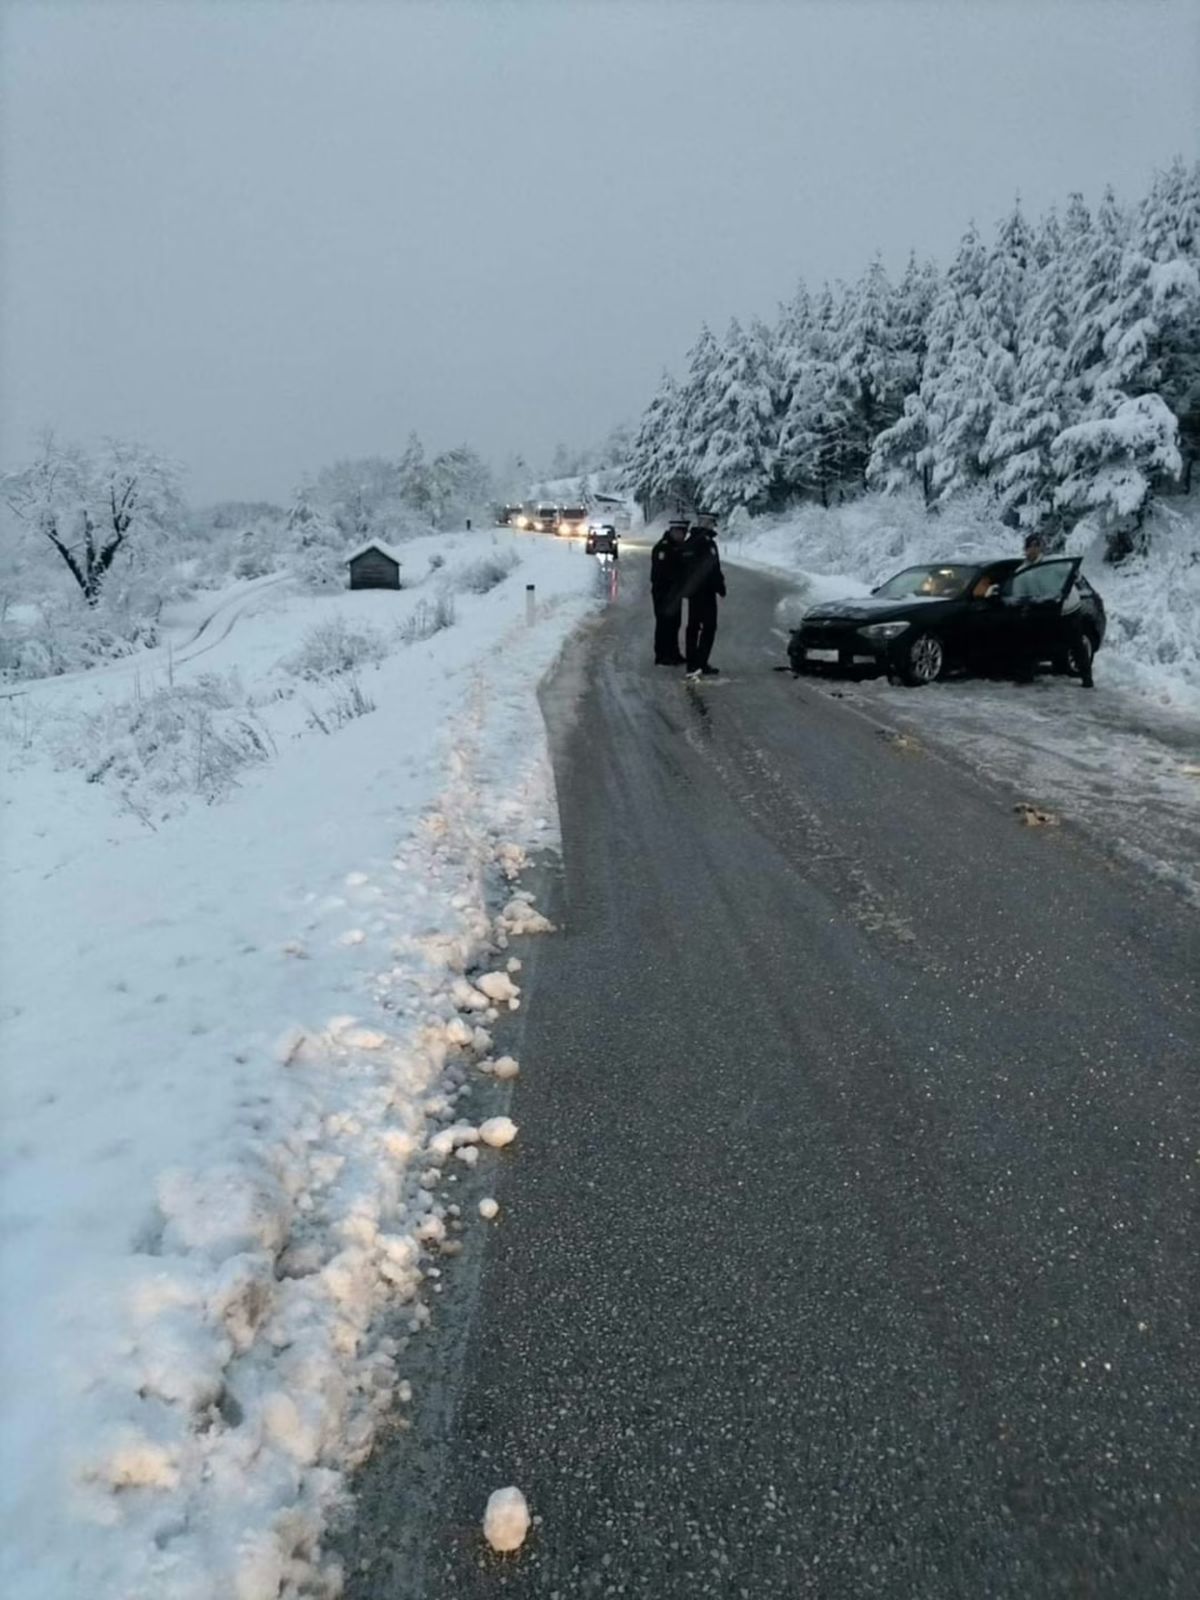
185	739
477	577
59	633
347	702
336	646
427	618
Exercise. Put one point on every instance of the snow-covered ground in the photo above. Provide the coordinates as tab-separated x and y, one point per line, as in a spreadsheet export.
239	908
1124	759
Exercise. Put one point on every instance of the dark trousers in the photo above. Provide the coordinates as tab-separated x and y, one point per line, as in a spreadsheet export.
666	632
1079	649
701	630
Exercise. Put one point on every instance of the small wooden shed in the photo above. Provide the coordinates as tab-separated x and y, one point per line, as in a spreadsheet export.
374	566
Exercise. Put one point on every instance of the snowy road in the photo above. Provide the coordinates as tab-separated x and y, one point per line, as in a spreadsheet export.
850	1246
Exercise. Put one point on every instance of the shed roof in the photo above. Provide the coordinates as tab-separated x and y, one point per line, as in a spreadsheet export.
374	544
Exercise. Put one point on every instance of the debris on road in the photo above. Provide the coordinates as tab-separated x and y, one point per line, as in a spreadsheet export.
1033	817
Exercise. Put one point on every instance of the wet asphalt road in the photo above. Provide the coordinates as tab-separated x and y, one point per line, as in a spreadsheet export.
849	1245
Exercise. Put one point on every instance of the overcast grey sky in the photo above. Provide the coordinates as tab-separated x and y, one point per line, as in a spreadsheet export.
263	236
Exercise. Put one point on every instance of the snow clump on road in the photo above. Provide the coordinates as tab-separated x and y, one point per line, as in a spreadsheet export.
506	1520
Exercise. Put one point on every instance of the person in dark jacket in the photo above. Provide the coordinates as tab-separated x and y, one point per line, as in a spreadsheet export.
703	581
666	591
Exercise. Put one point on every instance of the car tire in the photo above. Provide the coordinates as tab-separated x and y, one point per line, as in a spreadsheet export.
923	660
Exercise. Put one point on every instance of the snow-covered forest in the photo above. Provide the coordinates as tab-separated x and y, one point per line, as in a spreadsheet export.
97	542
1057	365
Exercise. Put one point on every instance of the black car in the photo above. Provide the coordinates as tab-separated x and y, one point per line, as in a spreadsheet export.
953	615
508	516
601	540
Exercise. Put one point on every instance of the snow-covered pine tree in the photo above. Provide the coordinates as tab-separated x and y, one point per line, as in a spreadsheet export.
912	304
869	365
1021	435
694	416
738	462
1111	465
415	484
906	453
646	471
1152	344
1093	269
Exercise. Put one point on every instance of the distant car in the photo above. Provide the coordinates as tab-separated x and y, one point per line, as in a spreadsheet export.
602	541
951	615
508	516
543	519
572	521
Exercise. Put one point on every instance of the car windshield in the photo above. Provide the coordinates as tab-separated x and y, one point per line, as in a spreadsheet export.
574	514
941	582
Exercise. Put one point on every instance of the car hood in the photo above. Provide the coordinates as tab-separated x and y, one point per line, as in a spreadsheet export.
875	608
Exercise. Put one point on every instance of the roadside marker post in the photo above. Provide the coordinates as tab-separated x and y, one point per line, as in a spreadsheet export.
530	604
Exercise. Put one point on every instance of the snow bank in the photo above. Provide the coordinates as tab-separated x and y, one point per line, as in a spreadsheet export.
234	1040
1153	601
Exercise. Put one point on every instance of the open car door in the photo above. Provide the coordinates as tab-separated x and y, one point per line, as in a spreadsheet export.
1033	608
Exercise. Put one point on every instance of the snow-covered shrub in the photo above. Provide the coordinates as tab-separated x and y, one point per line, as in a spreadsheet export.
60	633
185	739
477	577
1152	599
347	702
336	646
427	618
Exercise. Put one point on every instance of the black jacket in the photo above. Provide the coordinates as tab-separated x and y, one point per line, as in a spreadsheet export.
702	578
666	574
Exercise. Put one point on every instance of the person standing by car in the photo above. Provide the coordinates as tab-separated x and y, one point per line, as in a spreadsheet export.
1077	639
703	582
666	592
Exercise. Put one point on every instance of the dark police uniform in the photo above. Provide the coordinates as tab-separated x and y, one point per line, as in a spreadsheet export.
703	581
666	591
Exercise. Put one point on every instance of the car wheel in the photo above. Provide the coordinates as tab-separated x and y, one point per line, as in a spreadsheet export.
923	660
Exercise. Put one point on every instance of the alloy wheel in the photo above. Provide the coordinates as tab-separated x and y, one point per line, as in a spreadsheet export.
925	658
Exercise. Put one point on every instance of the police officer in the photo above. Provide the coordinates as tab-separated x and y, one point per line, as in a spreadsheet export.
666	591
703	581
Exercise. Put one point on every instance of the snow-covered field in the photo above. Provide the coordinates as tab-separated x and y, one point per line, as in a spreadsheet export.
242	890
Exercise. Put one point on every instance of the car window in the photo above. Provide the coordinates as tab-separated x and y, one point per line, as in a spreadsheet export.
942	582
1047	580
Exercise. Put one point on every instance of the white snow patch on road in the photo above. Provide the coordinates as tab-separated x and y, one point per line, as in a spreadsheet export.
506	1520
230	1033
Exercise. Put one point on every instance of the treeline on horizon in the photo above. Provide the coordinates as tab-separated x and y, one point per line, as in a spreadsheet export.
1058	365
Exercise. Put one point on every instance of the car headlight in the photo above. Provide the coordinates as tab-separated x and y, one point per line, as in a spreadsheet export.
884	630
